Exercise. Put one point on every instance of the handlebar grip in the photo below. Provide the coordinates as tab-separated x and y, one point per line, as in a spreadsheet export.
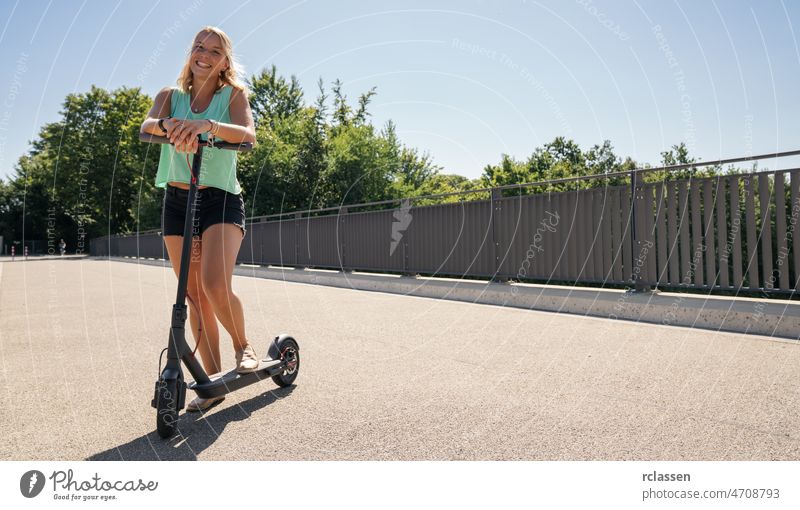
241	147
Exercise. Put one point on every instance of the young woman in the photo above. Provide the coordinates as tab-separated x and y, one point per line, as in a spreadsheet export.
209	101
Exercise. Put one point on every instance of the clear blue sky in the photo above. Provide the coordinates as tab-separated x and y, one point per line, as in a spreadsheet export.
464	80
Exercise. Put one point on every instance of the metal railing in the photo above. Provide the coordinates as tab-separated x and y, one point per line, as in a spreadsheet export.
729	232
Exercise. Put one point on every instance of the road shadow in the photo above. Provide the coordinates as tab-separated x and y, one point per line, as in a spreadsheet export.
196	431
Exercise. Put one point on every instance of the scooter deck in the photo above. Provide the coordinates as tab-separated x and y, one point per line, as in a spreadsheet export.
222	384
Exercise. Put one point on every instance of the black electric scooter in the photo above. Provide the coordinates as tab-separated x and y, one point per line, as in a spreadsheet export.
283	354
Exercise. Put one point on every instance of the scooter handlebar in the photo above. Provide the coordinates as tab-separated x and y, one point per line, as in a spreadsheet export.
241	147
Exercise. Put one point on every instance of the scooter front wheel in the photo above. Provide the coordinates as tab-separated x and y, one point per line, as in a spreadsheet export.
167	407
290	354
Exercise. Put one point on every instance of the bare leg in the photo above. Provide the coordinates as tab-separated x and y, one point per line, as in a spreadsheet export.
221	246
200	306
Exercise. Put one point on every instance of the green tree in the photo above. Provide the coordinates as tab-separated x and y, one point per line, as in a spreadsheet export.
601	160
86	174
306	159
273	97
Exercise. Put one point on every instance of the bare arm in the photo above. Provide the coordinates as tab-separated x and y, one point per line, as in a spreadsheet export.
160	109
242	128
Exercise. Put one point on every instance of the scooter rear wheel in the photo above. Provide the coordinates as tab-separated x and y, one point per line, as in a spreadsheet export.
167	408
290	354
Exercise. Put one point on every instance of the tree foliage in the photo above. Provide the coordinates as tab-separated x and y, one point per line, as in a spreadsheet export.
86	174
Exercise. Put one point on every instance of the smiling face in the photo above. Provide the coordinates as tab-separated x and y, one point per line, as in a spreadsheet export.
207	59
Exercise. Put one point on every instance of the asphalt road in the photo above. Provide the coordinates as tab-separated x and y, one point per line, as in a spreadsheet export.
383	377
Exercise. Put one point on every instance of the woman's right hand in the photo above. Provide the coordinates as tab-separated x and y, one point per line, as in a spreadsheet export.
183	133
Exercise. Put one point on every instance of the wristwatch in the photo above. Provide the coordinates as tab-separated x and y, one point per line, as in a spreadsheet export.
161	124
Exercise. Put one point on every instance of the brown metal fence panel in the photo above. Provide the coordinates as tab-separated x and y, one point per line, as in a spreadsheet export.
696	261
144	245
372	240
626	222
616	225
598	272
451	239
502	244
559	252
607	259
722	204
765	232
598	249
708	234
589	236
519	241
250	251
673	219
683	222
661	235
751	261
570	257
795	226
546	210
98	247
577	247
583	243
647	246
780	231
736	231
318	242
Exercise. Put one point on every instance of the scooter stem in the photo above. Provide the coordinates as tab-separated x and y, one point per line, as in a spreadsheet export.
178	349
183	277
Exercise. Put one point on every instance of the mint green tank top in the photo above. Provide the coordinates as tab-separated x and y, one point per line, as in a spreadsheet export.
218	167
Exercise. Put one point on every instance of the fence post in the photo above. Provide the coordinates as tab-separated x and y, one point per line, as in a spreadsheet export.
340	231
297	217
405	271
636	194
497	194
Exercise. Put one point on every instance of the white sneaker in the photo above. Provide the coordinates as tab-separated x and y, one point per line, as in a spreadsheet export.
246	360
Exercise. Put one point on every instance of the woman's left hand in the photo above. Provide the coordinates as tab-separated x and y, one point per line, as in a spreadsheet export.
184	134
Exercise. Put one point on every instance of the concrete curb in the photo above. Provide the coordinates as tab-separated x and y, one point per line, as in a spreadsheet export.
769	317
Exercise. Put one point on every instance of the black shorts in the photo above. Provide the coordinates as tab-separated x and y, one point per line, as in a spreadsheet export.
212	206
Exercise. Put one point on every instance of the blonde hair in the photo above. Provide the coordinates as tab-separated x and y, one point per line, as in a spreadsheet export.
230	76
